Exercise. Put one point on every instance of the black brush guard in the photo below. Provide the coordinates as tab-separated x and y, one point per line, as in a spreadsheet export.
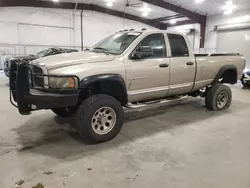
27	97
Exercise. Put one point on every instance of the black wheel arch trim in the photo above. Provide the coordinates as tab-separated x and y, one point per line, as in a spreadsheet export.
223	70
116	85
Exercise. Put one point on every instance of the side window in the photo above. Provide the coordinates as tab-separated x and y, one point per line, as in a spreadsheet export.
157	44
178	45
54	52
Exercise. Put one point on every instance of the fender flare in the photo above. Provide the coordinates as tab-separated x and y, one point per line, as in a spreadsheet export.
223	69
113	84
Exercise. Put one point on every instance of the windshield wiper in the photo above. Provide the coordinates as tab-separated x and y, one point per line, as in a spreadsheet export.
104	50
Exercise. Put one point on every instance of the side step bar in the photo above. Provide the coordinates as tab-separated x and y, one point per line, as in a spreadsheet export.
157	103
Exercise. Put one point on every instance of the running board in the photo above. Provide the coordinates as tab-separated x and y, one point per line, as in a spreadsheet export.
155	103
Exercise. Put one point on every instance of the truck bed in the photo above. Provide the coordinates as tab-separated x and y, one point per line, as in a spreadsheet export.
208	66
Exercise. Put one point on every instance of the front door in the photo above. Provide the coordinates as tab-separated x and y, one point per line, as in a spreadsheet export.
148	77
183	66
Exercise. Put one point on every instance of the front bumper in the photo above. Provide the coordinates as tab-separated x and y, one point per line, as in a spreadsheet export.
29	98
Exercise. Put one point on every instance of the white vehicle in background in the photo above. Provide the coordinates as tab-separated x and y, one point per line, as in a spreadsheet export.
245	80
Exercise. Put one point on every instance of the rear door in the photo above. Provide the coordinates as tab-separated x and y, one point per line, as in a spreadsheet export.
183	65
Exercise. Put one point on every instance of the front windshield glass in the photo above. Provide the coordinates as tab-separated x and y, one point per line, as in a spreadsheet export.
42	53
116	44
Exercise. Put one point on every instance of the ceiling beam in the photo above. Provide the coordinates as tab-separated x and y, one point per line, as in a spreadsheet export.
193	16
81	6
178	23
187	13
112	12
166	18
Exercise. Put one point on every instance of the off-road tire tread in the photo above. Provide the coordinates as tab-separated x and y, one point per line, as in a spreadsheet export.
83	118
211	97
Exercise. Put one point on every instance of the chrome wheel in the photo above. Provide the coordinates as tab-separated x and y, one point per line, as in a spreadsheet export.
222	99
103	120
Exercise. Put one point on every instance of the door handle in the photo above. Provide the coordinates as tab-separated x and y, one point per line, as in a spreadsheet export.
164	65
190	63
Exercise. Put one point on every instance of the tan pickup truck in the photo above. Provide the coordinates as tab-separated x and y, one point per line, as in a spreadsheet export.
128	69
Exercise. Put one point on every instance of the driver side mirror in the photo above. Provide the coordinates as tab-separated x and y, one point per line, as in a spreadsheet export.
142	52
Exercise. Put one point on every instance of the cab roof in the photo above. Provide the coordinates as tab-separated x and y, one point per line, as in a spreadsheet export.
152	31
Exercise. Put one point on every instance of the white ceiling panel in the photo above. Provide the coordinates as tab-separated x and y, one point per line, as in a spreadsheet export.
210	7
134	9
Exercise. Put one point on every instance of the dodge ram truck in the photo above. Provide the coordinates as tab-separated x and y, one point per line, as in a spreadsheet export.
125	70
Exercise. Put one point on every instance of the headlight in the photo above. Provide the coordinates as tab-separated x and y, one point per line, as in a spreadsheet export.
63	82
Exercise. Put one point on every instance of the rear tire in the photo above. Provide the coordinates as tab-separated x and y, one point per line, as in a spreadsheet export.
64	112
218	97
99	118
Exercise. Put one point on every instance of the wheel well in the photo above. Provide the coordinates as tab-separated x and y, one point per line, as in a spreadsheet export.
229	76
112	88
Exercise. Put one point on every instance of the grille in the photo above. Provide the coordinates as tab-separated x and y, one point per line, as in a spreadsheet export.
38	80
13	77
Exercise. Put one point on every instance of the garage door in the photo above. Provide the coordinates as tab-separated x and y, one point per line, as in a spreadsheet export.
235	41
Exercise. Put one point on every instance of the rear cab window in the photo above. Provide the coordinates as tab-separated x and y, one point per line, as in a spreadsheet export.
178	45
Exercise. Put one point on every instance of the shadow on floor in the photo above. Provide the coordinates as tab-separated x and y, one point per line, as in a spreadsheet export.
46	135
246	88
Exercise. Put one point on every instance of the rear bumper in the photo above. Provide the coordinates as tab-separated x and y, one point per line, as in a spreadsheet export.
28	98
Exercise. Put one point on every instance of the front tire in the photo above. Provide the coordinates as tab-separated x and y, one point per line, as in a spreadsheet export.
99	118
218	97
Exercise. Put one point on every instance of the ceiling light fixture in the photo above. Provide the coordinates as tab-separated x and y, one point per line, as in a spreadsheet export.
229	3
229	11
109	3
199	1
144	14
173	21
55	1
145	9
228	7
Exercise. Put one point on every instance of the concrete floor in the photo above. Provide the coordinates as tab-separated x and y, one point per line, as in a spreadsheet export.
183	146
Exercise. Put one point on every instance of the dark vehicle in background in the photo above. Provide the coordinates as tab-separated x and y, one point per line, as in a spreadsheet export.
44	53
245	80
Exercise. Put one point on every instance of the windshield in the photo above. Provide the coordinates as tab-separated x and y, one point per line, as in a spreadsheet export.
117	43
42	53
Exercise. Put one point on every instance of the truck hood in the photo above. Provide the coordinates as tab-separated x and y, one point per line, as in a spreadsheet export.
28	57
69	59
